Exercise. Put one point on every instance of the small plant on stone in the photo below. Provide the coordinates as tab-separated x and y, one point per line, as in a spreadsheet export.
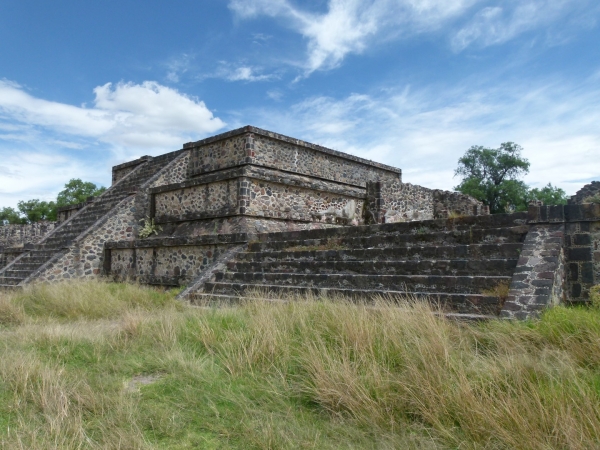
592	199
148	228
595	296
455	215
500	291
422	230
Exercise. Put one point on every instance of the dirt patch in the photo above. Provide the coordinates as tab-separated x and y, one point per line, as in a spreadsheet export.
138	381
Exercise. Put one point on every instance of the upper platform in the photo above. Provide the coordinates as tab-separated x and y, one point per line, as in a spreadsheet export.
254	146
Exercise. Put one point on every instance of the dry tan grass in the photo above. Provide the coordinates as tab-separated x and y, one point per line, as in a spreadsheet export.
390	373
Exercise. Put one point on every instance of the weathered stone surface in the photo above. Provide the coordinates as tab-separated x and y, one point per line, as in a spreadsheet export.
539	274
315	220
251	145
17	235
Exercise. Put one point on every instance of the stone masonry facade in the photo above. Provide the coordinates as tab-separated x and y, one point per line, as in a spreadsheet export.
16	238
405	202
560	259
589	190
220	193
85	259
17	235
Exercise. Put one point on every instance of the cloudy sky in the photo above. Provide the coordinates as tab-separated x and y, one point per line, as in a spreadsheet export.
88	84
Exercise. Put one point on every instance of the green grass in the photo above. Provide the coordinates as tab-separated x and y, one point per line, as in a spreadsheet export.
97	365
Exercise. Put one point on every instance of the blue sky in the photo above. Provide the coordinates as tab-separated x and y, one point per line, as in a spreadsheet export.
410	83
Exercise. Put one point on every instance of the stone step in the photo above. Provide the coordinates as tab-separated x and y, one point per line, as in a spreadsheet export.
64	236
425	226
10	281
503	267
8	287
17	273
417	283
221	300
37	254
26	266
451	302
475	251
464	237
35	260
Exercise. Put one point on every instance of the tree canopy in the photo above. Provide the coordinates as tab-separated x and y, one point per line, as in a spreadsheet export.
550	195
36	210
491	175
75	191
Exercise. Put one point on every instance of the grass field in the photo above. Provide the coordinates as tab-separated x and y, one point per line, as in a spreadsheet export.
96	365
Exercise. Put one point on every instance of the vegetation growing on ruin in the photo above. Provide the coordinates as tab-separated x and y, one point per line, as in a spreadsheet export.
592	199
492	176
95	365
35	210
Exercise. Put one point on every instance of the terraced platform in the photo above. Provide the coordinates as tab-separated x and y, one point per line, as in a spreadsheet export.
55	244
459	263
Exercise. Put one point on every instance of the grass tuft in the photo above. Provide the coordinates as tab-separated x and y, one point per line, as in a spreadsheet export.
99	365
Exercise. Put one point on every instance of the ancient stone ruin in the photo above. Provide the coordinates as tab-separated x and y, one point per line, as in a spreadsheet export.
250	209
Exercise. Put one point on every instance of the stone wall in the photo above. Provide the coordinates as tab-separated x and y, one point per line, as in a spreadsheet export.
174	172
197	202
313	161
538	280
167	261
402	202
218	155
121	170
85	258
66	212
583	254
17	235
560	259
589	190
254	192
281	201
250	145
449	204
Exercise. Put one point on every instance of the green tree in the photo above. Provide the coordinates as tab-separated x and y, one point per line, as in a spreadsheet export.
77	191
491	175
550	195
36	210
10	215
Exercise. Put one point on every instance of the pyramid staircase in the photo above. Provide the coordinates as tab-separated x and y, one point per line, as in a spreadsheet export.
457	262
61	238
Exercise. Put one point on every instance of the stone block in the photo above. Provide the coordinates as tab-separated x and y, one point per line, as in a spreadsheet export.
582	239
579	254
511	306
573	271
587	273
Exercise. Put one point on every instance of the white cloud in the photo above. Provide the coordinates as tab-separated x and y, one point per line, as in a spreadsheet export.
351	26
424	132
43	143
275	94
495	25
244	73
178	66
146	115
30	174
